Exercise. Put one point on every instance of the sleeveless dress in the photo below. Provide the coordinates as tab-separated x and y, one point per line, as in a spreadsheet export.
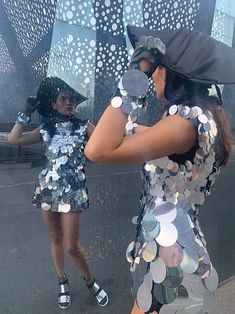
62	183
168	257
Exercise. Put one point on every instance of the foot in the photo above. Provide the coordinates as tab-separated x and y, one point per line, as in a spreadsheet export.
100	295
64	299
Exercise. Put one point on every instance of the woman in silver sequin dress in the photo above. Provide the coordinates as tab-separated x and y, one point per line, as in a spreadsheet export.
183	153
61	192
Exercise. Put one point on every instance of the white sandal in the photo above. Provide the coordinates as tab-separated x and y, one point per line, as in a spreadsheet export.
100	295
64	299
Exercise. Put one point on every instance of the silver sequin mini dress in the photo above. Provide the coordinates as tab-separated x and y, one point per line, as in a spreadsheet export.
62	183
168	258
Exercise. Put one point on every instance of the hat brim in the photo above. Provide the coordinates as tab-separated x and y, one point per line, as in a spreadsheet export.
48	91
195	55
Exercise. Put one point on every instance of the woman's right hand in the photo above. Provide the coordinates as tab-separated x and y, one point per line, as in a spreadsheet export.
147	54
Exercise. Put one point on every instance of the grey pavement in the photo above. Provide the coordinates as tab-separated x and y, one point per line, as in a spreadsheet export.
225	297
28	281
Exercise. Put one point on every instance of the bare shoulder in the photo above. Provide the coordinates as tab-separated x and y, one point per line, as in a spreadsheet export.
176	122
177	131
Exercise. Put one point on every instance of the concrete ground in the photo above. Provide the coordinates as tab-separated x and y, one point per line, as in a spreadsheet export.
28	282
225	297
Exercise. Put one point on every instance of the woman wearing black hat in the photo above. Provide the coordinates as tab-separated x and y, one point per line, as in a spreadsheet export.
61	192
182	155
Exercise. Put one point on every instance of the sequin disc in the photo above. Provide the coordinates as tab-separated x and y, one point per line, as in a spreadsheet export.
167	215
144	298
46	206
129	250
116	102
150	251
174	277
212	280
190	261
168	235
172	255
158	270
64	208
173	109
136	83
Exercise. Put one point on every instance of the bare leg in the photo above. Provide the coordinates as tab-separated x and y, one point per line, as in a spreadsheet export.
53	222
71	232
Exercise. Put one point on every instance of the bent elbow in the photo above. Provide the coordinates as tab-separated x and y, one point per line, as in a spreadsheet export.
11	141
94	155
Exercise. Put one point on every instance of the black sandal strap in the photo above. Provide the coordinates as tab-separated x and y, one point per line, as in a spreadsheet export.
97	292
89	286
63	293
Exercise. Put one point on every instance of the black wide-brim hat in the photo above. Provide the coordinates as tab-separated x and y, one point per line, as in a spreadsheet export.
48	91
194	55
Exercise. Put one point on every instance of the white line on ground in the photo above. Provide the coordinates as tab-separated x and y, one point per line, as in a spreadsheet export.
92	176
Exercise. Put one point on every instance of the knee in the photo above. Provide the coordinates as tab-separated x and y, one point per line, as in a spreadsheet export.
74	249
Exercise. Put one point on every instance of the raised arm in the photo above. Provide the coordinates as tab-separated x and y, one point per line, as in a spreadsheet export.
17	136
172	135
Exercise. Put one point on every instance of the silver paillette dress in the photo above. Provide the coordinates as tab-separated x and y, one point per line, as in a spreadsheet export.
62	183
168	258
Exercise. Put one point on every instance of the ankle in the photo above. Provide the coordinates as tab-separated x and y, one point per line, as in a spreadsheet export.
62	279
88	280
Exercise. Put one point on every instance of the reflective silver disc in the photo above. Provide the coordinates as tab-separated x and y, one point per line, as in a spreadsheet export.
193	284
190	261
186	111
129	251
136	83
197	110
135	220
150	251
203	118
148	222
168	235
116	102
163	162
149	236
212	280
165	213
64	208
144	298
174	277
148	280
172	255
46	206
173	109
158	270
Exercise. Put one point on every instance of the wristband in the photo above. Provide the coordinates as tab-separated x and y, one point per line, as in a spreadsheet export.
130	125
22	118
